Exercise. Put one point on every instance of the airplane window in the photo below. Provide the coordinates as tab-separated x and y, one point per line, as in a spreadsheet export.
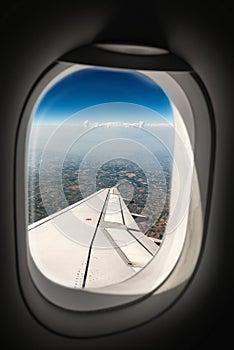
109	176
99	175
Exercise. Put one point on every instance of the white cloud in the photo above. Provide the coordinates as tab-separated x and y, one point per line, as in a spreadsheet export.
139	124
159	125
86	123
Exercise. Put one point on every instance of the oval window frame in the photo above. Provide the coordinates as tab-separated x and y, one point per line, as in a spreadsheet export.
177	278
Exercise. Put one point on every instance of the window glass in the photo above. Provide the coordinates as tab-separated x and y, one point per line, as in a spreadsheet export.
100	161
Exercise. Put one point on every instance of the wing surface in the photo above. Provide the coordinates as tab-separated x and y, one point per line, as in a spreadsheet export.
92	243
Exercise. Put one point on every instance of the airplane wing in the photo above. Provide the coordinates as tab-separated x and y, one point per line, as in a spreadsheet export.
92	243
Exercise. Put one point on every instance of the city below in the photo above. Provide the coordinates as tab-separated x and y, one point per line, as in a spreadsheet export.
133	186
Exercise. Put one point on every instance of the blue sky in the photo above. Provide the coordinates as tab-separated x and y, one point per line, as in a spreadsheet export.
94	86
